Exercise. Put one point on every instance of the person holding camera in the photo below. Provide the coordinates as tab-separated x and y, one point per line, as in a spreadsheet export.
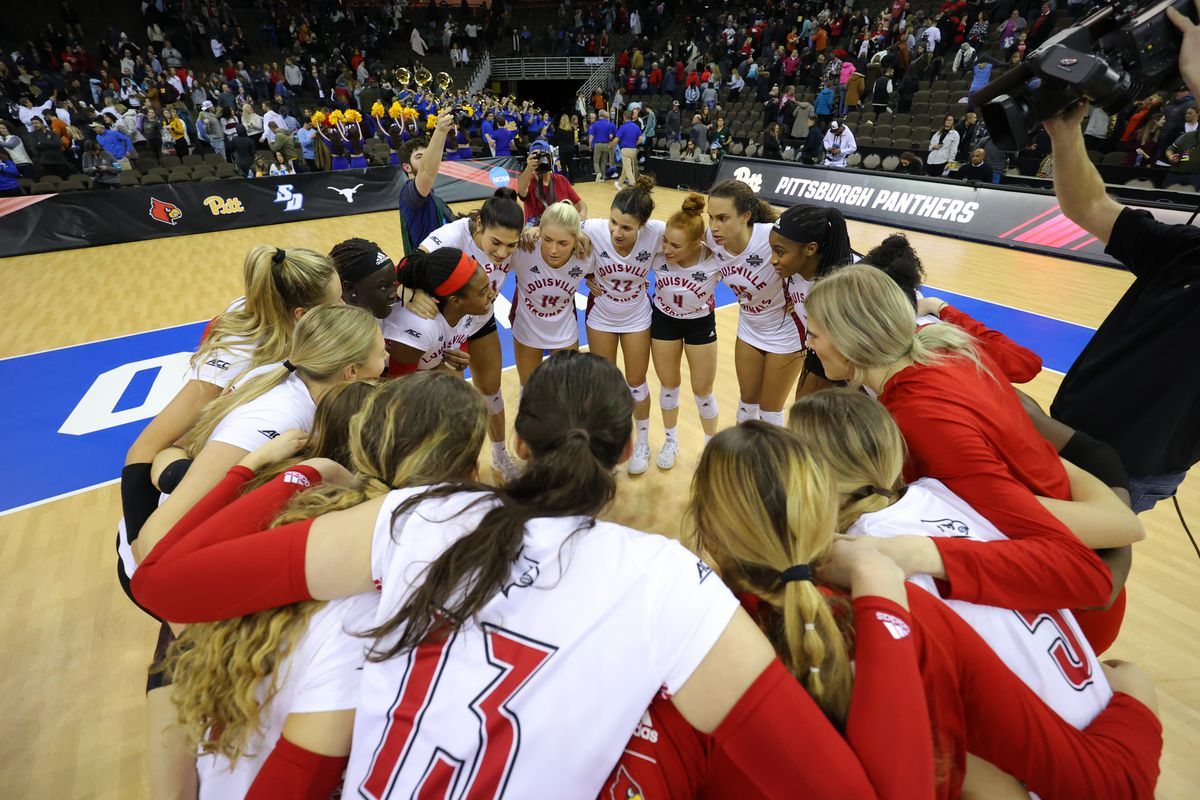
548	188
1154	329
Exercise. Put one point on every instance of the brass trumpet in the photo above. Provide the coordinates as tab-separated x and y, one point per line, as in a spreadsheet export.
444	81
423	77
402	76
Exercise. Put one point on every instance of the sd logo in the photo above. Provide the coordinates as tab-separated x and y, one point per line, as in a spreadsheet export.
219	205
160	211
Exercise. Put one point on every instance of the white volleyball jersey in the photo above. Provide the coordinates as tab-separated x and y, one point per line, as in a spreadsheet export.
538	695
797	289
323	672
286	406
434	337
226	364
763	318
458	234
623	304
687	292
1045	649
544	300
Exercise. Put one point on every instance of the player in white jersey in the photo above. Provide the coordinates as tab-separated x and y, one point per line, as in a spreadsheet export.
289	718
625	248
489	235
808	242
368	276
544	316
461	288
1044	647
492	660
684	322
769	351
279	287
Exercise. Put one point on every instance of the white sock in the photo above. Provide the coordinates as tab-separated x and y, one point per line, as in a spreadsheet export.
643	431
499	451
670	432
707	438
773	417
747	411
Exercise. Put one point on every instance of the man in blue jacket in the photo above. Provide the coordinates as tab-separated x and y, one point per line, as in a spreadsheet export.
600	138
629	136
116	143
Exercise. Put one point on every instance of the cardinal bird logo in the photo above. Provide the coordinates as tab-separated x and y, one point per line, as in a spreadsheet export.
624	787
164	212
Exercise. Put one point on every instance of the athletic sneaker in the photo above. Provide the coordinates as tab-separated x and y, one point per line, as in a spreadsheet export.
505	468
640	459
666	456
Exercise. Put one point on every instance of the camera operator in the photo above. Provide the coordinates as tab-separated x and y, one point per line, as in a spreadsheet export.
547	188
1154	330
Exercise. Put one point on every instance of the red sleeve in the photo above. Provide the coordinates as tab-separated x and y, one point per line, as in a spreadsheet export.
1043	565
1019	364
222	566
665	758
1008	725
293	773
775	739
888	725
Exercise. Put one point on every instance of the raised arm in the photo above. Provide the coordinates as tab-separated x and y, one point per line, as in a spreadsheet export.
431	160
1077	184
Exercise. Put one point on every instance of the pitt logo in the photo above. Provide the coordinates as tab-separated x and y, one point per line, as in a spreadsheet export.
168	213
751	179
219	205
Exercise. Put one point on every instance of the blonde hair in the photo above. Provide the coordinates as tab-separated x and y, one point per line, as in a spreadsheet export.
857	439
762	503
327	340
273	289
870	321
563	214
423	428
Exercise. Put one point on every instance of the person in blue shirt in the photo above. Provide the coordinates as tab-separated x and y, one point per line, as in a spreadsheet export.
9	175
116	143
823	105
601	135
485	128
421	211
503	136
306	138
629	136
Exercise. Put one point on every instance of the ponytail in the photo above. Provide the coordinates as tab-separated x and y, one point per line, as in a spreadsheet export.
501	210
576	418
637	201
690	217
440	274
762	504
897	259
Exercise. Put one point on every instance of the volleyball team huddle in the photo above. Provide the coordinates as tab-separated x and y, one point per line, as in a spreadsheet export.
897	591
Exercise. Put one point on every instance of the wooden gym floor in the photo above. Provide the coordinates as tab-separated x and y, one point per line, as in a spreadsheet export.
75	650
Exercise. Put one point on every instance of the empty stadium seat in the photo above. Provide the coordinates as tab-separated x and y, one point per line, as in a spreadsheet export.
129	178
853	160
1116	159
41	187
152	179
214	159
179	175
193	160
169	162
871	161
1146	183
891	163
53	180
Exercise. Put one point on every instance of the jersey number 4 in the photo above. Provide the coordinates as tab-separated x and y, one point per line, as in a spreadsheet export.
1064	647
516	659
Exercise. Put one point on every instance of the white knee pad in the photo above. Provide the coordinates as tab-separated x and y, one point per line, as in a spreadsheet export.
773	417
707	406
640	393
668	398
494	402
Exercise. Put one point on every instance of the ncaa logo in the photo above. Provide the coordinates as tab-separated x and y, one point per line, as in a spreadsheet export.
751	179
293	201
499	177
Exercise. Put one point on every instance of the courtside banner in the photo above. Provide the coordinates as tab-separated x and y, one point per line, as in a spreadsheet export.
41	223
1023	218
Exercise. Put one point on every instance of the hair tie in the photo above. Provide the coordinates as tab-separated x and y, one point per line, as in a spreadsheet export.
369	476
809	626
796	572
581	434
814	670
280	255
863	492
289	366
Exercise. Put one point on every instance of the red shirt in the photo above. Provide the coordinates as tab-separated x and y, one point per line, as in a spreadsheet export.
967	428
559	189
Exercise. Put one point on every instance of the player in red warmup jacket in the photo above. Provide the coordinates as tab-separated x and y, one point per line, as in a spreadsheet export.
965	426
976	703
499	561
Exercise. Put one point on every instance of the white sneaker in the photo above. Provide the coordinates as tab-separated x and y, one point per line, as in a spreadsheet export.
666	456
505	468
640	459
618	185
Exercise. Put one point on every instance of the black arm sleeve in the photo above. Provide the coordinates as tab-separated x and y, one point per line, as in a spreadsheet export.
1096	457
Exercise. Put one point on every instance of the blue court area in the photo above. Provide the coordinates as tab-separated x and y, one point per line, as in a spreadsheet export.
70	414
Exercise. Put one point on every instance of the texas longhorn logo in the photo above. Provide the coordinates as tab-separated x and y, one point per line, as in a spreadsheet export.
164	212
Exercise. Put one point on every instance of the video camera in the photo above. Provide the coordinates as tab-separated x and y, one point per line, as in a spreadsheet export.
1114	56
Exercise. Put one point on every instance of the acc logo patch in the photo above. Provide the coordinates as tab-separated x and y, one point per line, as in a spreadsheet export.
161	211
219	205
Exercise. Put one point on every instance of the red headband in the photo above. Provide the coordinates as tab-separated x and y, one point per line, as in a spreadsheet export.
458	278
